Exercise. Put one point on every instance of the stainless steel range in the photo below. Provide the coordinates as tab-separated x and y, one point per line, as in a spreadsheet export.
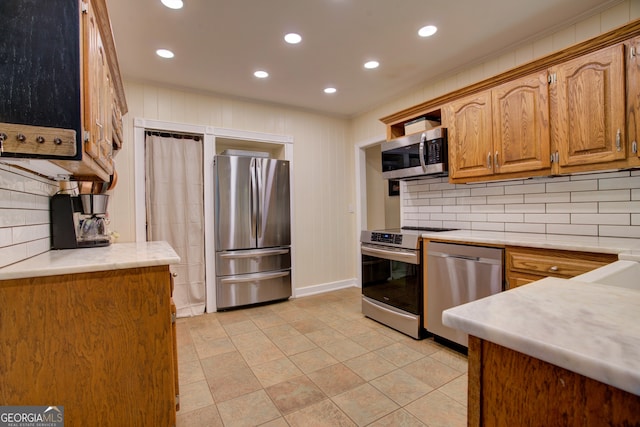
392	283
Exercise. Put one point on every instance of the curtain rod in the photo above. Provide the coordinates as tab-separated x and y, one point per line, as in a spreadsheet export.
173	135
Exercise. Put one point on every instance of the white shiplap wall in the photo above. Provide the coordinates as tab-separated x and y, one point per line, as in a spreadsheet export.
603	204
24	214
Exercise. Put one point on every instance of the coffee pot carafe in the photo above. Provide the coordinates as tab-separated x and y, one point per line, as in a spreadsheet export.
79	221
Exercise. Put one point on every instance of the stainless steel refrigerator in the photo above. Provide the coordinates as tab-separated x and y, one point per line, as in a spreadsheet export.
252	230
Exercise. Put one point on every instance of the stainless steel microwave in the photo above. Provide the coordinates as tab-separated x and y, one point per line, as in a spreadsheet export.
416	155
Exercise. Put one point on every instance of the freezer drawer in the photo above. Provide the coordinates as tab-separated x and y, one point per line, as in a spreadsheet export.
230	263
235	291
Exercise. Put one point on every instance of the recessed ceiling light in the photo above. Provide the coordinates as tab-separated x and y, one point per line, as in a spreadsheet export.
293	38
427	31
330	90
164	53
261	74
173	4
371	65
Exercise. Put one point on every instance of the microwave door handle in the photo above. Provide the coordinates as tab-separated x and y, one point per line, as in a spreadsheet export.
423	138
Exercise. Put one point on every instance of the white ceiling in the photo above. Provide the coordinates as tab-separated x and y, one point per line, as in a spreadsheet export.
218	44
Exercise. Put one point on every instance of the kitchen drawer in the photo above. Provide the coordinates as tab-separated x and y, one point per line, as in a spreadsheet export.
526	265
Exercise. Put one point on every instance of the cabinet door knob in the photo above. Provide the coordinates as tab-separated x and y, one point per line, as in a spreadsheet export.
497	165
489	161
174	274
554	268
20	137
618	140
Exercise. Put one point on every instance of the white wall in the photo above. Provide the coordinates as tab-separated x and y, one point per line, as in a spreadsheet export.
324	229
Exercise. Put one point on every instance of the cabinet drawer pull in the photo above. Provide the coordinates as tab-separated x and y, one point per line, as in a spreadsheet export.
618	142
489	161
497	165
634	147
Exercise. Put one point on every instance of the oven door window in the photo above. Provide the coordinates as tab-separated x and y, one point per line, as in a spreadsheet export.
394	283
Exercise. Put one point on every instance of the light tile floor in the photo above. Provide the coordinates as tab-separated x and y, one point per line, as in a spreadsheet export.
314	361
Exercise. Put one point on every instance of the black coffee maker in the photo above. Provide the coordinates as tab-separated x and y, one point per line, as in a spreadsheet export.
79	221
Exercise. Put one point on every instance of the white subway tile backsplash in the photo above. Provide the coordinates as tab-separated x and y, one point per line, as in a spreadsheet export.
505	218
572	208
525	188
481	200
506	199
548	218
472	217
525	208
487	208
547	198
601	196
619	231
586	185
430	209
618	183
487	226
24	214
619	207
487	191
573	229
525	228
608	219
635	219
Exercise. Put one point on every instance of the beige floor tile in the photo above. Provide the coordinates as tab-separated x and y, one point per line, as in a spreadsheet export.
432	372
261	353
250	339
370	366
268	320
401	387
399	354
325	336
281	331
308	325
240	327
294	345
194	396
438	410
203	417
451	358
232	384
248	410
280	365
313	360
295	394
220	364
344	349
210	348
398	418
457	389
275	371
372	340
336	379
365	404
190	371
322	414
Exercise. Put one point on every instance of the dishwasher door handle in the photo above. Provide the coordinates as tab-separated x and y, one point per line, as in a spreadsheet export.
464	257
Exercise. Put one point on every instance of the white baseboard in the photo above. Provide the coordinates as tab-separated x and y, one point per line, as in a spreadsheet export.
325	287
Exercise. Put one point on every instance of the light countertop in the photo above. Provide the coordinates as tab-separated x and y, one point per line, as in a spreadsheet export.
588	328
626	248
85	260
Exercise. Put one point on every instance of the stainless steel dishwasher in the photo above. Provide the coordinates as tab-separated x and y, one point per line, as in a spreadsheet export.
457	274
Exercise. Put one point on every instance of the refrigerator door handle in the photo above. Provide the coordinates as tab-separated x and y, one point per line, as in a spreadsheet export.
255	277
259	200
257	253
254	199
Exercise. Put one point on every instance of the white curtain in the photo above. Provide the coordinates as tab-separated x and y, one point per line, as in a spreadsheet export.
175	211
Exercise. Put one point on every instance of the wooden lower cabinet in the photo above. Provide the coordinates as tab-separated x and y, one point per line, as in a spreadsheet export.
99	344
526	265
508	388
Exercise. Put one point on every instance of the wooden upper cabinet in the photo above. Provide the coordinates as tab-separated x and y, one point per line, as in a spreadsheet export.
521	125
468	122
499	132
588	110
633	100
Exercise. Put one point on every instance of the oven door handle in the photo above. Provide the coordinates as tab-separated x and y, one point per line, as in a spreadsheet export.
410	257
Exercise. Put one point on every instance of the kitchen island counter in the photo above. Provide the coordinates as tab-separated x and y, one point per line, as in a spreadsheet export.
114	257
587	328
